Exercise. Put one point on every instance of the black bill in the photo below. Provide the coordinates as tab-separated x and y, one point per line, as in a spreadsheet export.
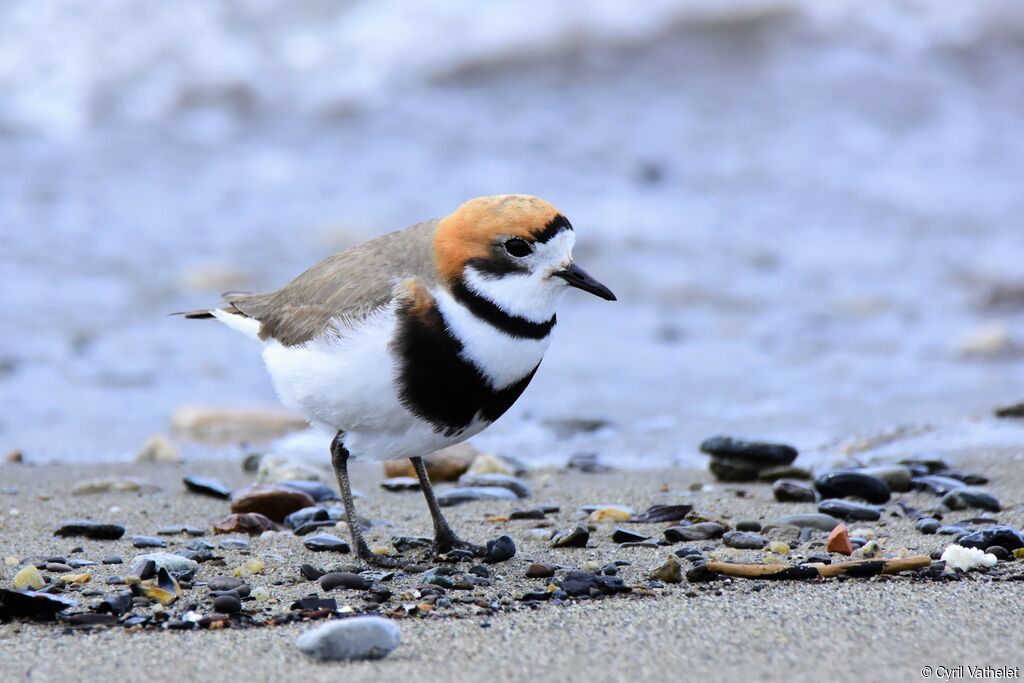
580	279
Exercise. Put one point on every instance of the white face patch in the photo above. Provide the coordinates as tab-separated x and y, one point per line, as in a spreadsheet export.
531	295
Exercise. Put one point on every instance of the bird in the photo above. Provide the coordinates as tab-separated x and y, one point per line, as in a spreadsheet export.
418	339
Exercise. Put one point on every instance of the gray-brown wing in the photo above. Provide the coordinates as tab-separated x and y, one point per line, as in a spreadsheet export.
348	285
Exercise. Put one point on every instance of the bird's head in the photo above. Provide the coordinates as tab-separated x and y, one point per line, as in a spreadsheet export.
515	250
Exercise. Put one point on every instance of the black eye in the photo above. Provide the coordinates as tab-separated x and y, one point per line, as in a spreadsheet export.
518	247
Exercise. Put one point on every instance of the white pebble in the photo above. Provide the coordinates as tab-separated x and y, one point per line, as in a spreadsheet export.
966	559
350	639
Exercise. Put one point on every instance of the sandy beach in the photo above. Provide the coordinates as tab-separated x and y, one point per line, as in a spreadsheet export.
880	628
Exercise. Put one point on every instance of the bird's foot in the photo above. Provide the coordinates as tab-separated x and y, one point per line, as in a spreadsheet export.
445	543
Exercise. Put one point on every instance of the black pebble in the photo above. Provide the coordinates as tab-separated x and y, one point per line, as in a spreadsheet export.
500	550
148	542
480	570
310	572
999	551
113	559
227	604
207	487
344	580
843	483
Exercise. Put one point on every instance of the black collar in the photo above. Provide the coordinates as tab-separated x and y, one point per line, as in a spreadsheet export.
487	310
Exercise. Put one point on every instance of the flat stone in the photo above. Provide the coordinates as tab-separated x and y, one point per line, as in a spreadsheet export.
305	516
273	501
933	462
733	471
447	464
535	513
539	570
224	583
326	542
112	559
792	491
206	486
577	537
587	463
970	498
896	477
174	564
809	519
401	484
783	472
1006	536
927	525
316	490
513	484
933	483
695	532
578	583
148	542
760	453
459	495
500	549
345	580
843	483
969	478
844	509
90	529
351	639
744	540
670	572
234	543
748	525
252	523
657	514
621	535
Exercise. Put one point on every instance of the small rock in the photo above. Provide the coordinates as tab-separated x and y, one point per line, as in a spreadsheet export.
273	501
670	572
839	541
844	509
28	577
1014	410
843	483
869	550
1002	535
207	487
778	548
447	464
220	584
326	542
90	529
536	513
316	490
274	469
621	535
576	537
490	464
610	514
792	491
783	472
939	485
748	525
459	495
969	478
587	463
970	498
112	559
251	523
114	485
759	453
234	543
744	540
158	449
539	570
173	564
927	525
694	532
499	550
148	542
999	552
401	484
228	425
584	583
513	484
657	514
897	477
227	604
306	516
344	580
933	463
351	639
733	471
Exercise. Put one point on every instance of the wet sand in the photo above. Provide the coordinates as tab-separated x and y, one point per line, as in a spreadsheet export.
863	629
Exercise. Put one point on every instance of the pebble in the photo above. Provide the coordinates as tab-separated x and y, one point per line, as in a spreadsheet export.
576	537
234	543
970	497
778	548
491	464
344	580
174	564
357	638
783	472
733	471
1002	535
326	542
536	513
933	483
28	577
587	463
447	464
954	530
932	462
843	483
273	501
792	491
897	477
621	535
90	529
999	551
57	567
500	549
844	509
227	425
540	534
112	559
759	453
539	570
670	572
272	469
224	583
227	604
400	484
316	490
927	525
478	570
252	523
694	532
839	541
809	519
207	487
459	495
305	516
657	514
584	583
312	573
513	484
748	525
148	542
744	540
969	478
114	485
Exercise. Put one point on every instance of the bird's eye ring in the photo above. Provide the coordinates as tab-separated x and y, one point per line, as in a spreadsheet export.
518	248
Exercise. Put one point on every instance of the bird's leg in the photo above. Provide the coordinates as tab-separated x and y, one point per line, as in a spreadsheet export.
339	458
444	538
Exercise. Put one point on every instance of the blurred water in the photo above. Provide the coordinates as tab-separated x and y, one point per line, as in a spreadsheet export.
801	206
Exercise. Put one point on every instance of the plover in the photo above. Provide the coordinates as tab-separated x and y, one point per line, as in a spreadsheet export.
418	339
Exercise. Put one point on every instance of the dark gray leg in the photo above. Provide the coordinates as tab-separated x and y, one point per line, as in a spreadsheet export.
444	538
339	458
